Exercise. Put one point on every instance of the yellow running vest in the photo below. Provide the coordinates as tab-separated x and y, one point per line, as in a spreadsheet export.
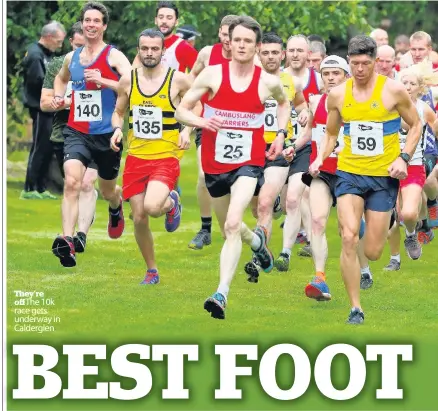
271	124
370	134
153	131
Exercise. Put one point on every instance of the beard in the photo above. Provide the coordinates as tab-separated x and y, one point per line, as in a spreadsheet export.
168	31
150	63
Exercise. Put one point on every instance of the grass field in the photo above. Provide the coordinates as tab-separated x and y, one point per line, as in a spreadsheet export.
100	301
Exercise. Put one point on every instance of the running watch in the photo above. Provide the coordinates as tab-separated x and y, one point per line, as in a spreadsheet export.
405	157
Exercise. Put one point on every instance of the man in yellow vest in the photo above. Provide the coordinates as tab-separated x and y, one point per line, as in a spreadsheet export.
370	106
152	93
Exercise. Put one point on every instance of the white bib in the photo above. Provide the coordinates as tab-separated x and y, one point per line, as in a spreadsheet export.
88	105
318	134
270	114
147	122
233	146
296	126
366	138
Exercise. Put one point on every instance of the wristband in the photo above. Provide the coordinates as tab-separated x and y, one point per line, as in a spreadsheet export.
57	96
115	128
283	131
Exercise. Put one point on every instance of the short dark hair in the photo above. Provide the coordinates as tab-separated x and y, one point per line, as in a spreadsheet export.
166	5
362	45
250	24
269	38
76	29
152	33
94	5
316	37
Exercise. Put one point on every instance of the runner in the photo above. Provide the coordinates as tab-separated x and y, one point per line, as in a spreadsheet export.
154	141
276	171
411	188
95	70
385	61
233	148
369	166
297	196
208	56
380	36
88	195
179	54
316	56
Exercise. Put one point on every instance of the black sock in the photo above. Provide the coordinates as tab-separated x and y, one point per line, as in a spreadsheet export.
115	211
431	203
425	225
206	223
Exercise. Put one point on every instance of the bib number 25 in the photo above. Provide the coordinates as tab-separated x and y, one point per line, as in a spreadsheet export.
233	152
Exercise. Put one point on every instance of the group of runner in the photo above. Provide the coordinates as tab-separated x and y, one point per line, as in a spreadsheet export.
301	138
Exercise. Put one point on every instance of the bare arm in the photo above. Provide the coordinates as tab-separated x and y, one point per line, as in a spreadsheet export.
306	133
136	63
122	102
200	86
201	61
431	119
62	78
283	107
409	115
121	64
299	102
47	95
334	122
185	82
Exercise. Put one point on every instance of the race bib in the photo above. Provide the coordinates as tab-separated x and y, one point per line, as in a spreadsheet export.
318	134
68	92
270	114
366	138
147	122
296	126
88	105
233	146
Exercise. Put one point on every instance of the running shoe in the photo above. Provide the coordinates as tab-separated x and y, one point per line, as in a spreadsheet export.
433	216
366	281
203	237
64	249
173	217
318	289
425	237
80	241
301	239
252	270
356	316
151	277
116	223
413	247
393	265
282	262
277	211
305	251
263	254
215	305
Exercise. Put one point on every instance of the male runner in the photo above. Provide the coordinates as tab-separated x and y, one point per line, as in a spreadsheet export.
276	171
178	54
297	196
385	61
88	195
94	70
233	147
317	55
154	141
380	36
208	56
334	71
369	166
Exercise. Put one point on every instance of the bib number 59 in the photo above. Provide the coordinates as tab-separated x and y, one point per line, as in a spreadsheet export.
366	143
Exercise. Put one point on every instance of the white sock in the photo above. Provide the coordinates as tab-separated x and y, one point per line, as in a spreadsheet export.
303	232
366	270
396	257
286	251
408	234
256	242
224	290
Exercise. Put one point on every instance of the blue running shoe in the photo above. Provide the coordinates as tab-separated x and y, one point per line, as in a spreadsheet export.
215	305
263	254
356	316
151	277
178	190
173	217
318	289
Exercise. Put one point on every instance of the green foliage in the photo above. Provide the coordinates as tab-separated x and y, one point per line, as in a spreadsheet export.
127	19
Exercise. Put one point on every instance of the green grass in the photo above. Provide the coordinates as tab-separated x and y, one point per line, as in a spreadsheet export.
100	301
